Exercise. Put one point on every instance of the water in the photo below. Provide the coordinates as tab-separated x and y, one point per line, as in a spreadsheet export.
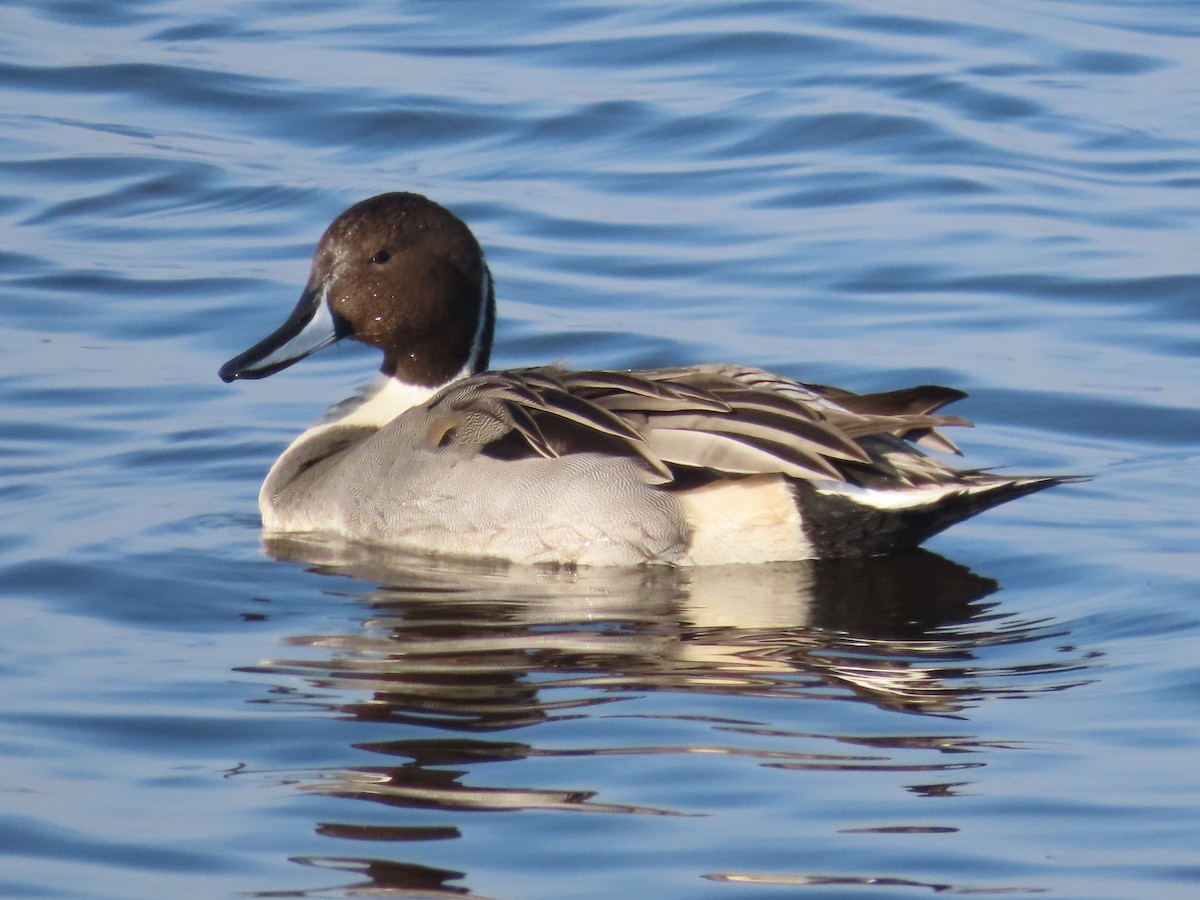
996	196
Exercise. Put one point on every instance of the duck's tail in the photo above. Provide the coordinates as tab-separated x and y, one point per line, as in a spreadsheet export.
854	521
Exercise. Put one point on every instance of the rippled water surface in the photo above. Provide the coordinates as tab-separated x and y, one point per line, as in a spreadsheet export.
1003	196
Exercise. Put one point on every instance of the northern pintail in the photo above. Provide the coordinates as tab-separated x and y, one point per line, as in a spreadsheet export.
705	464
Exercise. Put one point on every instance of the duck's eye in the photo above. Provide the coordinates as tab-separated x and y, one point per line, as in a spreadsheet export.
381	257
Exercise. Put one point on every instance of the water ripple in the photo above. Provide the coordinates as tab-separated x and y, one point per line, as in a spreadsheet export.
1000	197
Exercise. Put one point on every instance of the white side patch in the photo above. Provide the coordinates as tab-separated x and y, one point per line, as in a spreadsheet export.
750	520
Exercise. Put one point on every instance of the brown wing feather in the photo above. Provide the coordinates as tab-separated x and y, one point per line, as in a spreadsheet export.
921	400
726	420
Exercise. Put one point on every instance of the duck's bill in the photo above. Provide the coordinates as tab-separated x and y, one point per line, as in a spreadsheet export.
310	327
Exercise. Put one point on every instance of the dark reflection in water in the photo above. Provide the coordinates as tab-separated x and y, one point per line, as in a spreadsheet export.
382	879
455	651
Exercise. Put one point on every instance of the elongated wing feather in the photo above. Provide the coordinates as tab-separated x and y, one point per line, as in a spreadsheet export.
529	429
921	400
810	437
629	385
728	454
724	420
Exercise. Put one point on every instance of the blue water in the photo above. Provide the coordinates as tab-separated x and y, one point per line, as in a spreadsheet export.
997	196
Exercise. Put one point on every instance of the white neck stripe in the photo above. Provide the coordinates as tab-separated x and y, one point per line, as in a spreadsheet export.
485	294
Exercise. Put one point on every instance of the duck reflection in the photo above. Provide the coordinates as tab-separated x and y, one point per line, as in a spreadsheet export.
452	651
381	878
465	646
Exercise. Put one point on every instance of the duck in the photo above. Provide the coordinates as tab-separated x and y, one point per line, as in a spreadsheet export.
708	464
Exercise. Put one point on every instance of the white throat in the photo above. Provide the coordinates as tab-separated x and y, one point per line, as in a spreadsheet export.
392	398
